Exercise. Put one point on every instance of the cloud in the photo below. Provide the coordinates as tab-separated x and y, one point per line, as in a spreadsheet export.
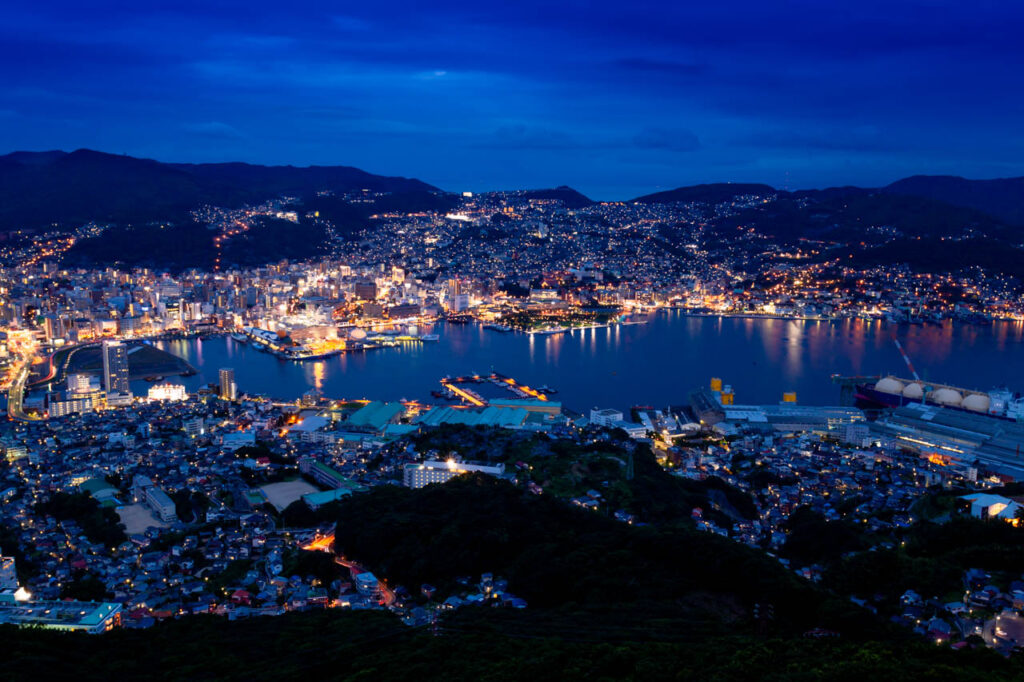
521	136
214	129
667	140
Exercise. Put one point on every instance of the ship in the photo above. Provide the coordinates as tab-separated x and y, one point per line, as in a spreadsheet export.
892	391
240	338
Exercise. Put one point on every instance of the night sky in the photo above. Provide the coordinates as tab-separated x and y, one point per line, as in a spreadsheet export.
614	98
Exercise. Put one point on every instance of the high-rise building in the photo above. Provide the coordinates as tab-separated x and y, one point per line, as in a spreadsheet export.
365	291
227	383
82	383
115	367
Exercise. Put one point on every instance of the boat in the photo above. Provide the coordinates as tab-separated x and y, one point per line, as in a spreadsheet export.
240	338
550	330
892	391
430	337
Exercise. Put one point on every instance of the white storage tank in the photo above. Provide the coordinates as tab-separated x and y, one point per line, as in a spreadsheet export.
976	402
914	391
947	396
890	385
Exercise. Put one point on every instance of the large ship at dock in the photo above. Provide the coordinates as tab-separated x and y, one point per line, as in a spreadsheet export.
892	391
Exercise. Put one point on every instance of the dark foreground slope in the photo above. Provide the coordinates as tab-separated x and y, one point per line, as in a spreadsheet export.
607	601
374	646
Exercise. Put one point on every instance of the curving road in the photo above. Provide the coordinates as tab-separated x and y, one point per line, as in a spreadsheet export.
16	396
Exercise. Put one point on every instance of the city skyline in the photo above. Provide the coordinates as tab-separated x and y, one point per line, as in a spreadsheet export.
614	102
584	340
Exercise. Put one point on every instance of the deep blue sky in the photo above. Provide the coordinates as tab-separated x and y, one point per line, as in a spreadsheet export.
615	98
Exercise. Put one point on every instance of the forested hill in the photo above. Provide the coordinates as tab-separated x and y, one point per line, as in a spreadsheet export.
41	189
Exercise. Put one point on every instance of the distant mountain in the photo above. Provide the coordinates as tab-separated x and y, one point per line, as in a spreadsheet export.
569	197
714	193
860	216
299	180
44	188
1002	198
77	187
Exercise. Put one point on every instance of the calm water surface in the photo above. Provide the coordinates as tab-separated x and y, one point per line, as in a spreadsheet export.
657	363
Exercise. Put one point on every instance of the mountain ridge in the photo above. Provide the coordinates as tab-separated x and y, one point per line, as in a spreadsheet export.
57	187
38	189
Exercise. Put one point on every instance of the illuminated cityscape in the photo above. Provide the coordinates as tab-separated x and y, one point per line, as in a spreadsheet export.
313	366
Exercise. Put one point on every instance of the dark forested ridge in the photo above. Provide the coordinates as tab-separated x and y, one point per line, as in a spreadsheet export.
1002	197
376	646
572	561
569	197
713	193
68	189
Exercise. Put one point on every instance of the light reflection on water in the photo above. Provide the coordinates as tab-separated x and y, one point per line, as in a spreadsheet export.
658	363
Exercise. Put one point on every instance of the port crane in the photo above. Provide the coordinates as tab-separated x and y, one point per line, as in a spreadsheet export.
906	358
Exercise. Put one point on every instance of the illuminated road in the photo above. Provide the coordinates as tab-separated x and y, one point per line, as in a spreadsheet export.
322	543
325	543
16	396
60	374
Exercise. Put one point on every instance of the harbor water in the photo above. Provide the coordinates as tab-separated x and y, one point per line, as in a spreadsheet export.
656	364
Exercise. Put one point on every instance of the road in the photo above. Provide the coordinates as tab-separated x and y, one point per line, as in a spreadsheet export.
16	396
324	543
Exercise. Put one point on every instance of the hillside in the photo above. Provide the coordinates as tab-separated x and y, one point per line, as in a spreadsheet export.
275	180
37	190
569	197
375	646
68	189
928	254
854	217
1002	198
579	565
714	193
627	474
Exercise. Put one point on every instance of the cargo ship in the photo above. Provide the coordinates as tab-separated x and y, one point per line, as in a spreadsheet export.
891	391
